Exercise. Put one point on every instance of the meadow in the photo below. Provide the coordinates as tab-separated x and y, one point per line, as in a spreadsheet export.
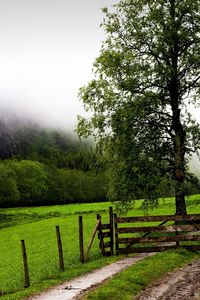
129	283
36	226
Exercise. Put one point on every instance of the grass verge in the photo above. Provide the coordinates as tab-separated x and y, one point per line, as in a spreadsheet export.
68	274
132	281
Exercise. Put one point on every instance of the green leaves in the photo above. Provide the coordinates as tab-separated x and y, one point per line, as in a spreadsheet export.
147	72
31	178
8	186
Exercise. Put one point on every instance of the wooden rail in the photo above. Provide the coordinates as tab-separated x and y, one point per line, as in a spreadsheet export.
146	237
106	231
193	217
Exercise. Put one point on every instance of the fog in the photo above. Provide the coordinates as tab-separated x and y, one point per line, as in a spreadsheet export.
46	54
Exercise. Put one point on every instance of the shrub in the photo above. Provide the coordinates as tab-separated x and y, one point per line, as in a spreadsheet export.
9	194
31	180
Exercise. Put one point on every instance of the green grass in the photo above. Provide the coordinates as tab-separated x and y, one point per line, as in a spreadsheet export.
22	215
40	239
37	227
132	281
58	277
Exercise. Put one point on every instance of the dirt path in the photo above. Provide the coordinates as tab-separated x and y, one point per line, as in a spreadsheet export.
182	284
71	289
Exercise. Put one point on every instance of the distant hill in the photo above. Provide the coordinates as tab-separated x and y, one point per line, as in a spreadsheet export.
25	139
45	166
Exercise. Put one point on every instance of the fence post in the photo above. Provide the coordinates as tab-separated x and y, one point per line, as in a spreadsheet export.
92	239
111	229
60	251
116	235
98	217
101	244
25	261
81	239
177	233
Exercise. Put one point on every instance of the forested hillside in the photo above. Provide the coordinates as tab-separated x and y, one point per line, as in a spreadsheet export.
41	166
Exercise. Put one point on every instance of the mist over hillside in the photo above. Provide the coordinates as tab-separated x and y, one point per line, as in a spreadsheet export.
23	137
23	113
42	165
45	165
194	165
21	119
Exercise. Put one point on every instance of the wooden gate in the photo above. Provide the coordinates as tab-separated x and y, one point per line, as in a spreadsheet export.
133	237
106	235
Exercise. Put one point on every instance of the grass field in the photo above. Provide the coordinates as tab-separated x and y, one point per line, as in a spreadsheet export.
37	227
133	280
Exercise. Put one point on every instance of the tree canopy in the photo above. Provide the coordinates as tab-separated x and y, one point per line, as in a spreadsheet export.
41	166
146	76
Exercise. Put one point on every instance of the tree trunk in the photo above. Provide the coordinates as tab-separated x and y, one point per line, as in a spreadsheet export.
179	138
179	166
180	202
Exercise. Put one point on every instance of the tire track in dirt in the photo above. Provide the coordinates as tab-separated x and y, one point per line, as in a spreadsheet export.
182	284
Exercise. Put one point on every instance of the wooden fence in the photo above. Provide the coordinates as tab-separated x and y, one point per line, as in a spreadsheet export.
120	234
183	231
106	234
82	258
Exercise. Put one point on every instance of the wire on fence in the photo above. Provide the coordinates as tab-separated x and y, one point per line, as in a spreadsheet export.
42	250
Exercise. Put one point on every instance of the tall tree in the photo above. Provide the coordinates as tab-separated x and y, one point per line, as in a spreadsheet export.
146	75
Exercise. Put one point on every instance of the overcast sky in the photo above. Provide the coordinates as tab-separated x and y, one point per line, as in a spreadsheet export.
46	54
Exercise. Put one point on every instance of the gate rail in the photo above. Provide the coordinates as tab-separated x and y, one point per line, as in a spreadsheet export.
184	232
106	235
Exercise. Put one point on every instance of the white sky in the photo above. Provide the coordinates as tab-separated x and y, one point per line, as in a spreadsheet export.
46	54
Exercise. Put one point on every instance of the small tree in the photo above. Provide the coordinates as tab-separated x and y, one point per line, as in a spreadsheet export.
9	194
31	178
147	73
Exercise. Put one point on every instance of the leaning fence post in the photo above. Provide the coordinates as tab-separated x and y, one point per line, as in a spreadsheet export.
25	261
98	216
60	251
81	239
111	229
92	239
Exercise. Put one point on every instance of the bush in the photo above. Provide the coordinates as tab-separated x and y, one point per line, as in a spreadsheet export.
75	186
31	180
26	183
9	193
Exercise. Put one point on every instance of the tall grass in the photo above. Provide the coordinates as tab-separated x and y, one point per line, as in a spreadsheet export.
37	227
